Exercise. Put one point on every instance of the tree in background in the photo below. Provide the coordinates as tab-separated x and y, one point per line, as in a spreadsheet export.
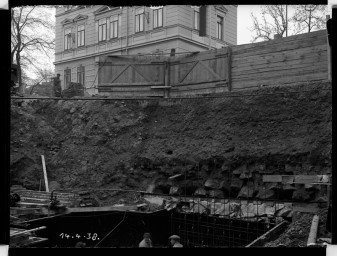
32	36
310	17
271	22
275	21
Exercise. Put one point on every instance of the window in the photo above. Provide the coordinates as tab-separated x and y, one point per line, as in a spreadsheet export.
158	18
67	77
139	20
80	75
219	30
80	35
101	30
114	27
196	19
67	39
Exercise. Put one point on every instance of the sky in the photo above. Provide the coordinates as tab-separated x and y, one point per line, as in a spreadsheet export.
245	21
4	4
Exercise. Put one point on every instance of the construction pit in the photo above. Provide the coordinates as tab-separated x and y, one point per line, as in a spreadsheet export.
242	169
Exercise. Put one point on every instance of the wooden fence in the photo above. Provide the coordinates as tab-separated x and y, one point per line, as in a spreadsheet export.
292	59
286	60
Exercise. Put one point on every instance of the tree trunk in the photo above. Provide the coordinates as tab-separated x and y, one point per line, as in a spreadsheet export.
20	89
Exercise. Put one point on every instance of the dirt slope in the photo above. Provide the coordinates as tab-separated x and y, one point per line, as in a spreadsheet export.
139	144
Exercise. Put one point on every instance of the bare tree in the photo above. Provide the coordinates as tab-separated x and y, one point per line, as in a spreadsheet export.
271	22
309	17
31	31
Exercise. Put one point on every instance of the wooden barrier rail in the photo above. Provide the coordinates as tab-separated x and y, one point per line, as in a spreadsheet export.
293	59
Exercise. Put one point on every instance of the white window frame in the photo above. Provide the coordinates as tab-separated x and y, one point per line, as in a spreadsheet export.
102	30
67	73
139	20
157	17
80	35
67	39
80	74
219	27
114	26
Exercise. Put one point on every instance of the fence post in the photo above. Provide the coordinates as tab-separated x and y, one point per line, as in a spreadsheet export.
167	79
229	68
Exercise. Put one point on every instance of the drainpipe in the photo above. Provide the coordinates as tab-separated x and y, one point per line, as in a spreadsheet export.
127	30
209	25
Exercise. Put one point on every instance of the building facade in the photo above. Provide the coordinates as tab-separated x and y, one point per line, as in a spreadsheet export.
84	33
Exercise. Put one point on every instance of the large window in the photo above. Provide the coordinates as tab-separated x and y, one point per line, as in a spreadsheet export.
80	75
139	20
67	39
158	18
101	30
196	19
67	77
219	31
80	35
114	24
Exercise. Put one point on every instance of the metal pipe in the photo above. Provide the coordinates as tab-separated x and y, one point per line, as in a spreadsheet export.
209	25
127	30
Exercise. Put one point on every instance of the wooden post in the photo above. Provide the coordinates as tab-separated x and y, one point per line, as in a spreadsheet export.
229	68
167	79
45	173
313	231
328	51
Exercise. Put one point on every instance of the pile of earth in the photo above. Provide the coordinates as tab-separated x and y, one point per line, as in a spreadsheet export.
221	146
297	233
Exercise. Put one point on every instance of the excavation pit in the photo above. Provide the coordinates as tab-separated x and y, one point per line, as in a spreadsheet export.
126	228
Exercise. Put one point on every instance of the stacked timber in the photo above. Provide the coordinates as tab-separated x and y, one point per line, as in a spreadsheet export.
25	238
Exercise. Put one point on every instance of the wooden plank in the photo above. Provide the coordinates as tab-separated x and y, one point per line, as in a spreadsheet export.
131	84
279	46
250	63
142	75
274	74
275	58
262	239
289	39
202	82
228	69
126	89
201	91
210	70
271	178
26	231
305	179
194	87
280	49
288	179
175	176
300	179
293	66
161	87
189	71
305	208
121	72
153	63
238	84
103	208
45	173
